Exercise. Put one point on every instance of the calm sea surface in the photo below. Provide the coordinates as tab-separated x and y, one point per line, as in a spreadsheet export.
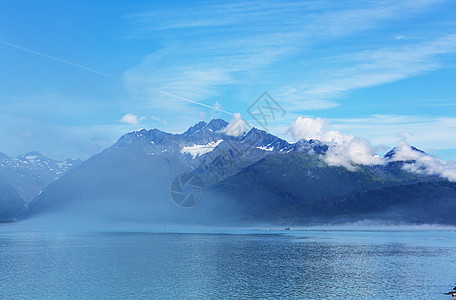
293	265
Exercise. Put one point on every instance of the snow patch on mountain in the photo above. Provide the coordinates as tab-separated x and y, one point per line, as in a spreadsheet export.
197	150
264	148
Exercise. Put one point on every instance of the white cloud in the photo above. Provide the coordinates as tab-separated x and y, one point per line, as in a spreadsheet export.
349	151
403	152
433	166
344	150
424	163
130	119
237	126
308	128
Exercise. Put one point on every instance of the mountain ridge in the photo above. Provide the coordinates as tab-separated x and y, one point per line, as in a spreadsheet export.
27	174
246	178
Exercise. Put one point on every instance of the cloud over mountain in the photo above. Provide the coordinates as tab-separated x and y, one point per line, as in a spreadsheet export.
349	151
344	150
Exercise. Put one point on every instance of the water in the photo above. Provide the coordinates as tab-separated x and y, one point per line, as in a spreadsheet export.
296	265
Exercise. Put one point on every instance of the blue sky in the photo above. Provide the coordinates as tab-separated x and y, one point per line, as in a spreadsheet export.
71	70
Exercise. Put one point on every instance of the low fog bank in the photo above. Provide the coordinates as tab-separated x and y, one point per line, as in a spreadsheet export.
219	213
375	225
188	221
72	223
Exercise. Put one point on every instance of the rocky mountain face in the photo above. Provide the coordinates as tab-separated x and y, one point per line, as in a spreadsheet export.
23	177
248	178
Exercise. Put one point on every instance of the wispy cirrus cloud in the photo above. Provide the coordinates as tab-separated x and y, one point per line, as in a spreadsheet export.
209	48
320	18
375	67
308	55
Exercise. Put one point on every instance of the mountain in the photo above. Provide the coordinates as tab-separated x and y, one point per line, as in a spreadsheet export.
134	175
4	156
430	202
29	173
392	153
251	178
24	176
299	188
12	206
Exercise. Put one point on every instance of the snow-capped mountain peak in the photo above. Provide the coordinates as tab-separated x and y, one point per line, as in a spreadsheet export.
393	152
